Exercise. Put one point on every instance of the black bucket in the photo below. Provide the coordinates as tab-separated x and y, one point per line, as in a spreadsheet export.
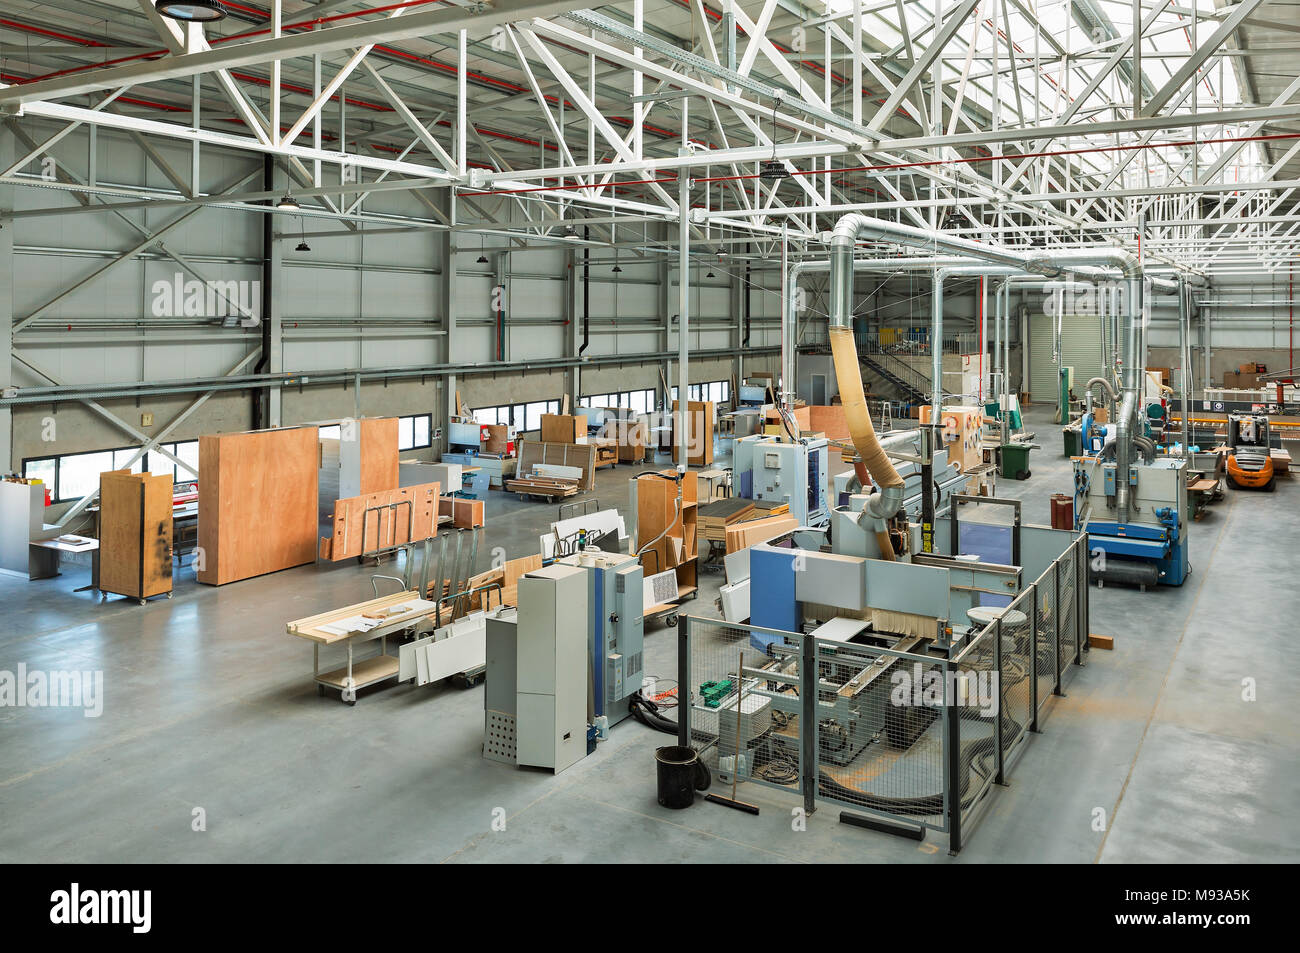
680	772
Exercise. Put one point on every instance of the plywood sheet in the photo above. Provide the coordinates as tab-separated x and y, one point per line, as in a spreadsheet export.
378	454
258	508
563	428
829	420
699	433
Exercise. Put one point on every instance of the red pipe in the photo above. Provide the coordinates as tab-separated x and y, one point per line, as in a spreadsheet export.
937	162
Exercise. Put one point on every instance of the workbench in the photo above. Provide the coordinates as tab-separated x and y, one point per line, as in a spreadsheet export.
350	626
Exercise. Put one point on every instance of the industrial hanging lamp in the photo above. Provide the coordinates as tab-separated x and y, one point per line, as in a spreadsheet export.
483	260
773	170
288	203
191	11
302	232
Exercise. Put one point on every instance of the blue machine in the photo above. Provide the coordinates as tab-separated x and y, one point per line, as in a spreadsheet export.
1151	546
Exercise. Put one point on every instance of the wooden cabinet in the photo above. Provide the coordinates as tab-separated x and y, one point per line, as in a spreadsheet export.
135	534
666	504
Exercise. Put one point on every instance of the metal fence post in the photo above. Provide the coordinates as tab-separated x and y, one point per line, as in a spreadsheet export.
1086	597
952	759
1033	657
1081	604
1056	625
683	681
808	680
997	713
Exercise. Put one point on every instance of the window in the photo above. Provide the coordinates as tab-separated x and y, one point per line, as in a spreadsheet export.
413	433
639	401
523	417
717	392
71	476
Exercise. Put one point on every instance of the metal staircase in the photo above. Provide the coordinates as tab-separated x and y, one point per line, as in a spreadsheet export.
913	387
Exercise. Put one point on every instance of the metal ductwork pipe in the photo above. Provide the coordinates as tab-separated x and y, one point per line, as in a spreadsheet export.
854	227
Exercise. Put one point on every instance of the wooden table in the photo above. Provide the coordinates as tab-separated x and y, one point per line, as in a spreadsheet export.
349	626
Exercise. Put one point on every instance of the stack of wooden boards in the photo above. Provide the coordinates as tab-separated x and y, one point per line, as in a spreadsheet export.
395	516
738	522
748	532
135	534
554	469
717	516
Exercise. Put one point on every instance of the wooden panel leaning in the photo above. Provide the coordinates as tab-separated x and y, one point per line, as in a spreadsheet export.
135	534
258	507
378	454
396	516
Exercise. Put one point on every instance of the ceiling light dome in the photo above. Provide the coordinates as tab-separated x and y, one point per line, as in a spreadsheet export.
191	11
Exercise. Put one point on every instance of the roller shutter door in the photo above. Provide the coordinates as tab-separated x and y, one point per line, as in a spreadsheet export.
1080	349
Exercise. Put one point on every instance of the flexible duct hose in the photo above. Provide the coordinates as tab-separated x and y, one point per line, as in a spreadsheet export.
844	350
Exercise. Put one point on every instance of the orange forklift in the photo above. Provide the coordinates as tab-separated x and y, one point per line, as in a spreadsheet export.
1249	465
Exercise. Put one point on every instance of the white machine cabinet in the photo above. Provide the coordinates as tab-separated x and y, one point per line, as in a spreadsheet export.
551	668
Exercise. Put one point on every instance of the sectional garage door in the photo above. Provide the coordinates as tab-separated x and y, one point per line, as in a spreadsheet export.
1080	348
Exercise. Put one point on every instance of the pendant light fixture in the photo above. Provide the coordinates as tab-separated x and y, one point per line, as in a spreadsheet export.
191	11
288	203
302	231
773	170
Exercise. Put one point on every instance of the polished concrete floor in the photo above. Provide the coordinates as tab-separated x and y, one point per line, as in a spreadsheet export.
1183	740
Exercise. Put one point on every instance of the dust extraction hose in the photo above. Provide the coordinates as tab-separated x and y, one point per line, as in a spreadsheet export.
849	375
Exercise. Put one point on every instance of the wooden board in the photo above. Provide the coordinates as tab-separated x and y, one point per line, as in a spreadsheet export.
258	510
699	433
1101	641
741	535
353	533
563	428
829	420
135	528
378	454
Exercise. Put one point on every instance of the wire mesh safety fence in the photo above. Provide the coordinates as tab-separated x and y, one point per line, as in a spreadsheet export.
975	706
1016	670
1045	624
905	734
741	699
880	721
1067	634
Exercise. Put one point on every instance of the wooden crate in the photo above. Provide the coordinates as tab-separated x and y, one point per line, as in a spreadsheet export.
464	513
258	509
135	534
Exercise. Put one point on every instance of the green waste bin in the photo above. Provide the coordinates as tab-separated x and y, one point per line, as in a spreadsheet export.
1073	441
1015	461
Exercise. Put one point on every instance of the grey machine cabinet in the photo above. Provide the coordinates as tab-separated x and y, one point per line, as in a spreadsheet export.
544	718
615	629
